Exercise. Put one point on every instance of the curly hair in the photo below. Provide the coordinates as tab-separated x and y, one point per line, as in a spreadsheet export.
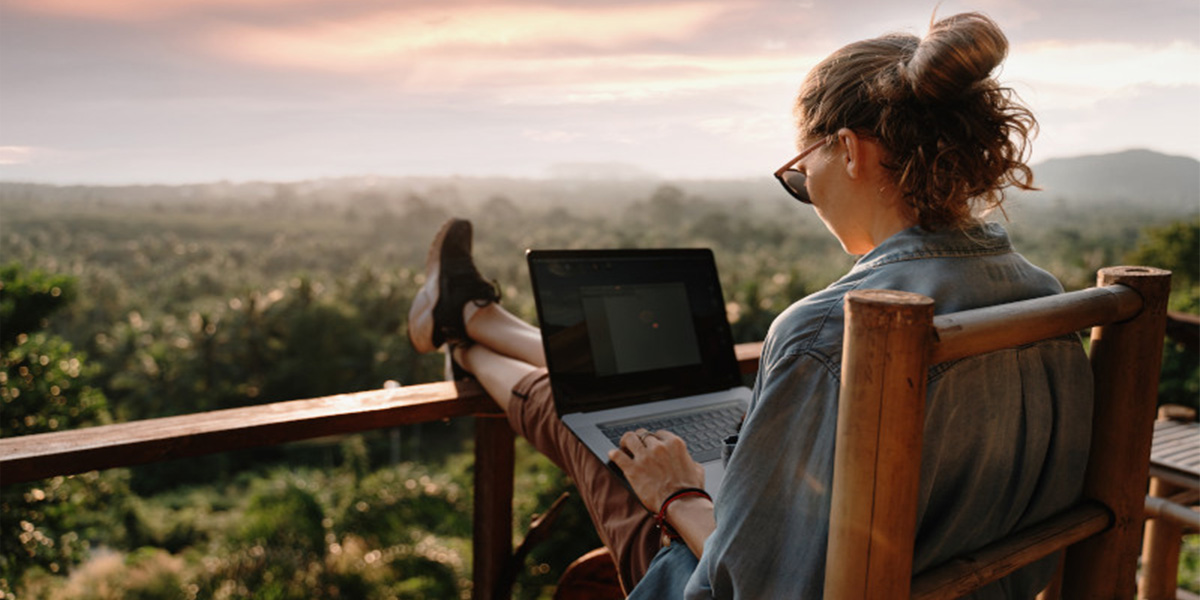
953	137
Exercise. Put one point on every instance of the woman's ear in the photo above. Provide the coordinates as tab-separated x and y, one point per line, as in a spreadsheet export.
855	157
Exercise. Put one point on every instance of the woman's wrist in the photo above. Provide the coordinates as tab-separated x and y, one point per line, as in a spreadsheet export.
671	506
689	519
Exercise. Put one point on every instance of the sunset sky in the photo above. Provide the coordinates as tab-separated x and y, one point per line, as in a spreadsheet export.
180	91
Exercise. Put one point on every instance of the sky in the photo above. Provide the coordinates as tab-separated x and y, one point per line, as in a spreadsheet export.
192	91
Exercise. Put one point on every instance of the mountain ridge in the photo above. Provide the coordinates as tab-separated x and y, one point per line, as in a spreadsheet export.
1139	176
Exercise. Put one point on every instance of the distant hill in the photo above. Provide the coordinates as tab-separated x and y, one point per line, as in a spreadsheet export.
1137	177
1142	180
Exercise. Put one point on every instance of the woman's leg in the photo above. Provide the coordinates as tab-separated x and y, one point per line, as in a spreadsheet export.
505	355
496	372
625	527
523	391
502	350
492	326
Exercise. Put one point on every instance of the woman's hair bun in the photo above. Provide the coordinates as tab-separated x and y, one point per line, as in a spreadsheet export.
957	53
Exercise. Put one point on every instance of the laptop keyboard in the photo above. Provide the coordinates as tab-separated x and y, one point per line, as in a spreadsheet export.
704	430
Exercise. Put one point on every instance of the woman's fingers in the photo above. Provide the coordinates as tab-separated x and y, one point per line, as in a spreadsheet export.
635	441
656	464
638	439
667	437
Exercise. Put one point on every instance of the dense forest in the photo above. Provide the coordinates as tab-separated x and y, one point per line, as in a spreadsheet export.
139	302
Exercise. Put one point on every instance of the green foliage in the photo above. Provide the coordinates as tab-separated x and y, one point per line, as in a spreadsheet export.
299	341
402	505
1189	564
28	298
1175	247
45	386
277	547
1180	380
50	526
283	516
147	574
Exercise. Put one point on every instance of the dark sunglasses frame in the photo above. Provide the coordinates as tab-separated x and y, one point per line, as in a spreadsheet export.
792	179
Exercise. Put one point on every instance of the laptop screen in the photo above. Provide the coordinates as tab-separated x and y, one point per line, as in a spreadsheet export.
627	326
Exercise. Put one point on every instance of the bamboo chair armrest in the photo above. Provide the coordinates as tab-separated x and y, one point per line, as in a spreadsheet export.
971	571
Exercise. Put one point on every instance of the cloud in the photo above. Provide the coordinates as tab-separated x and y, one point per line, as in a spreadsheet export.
524	53
139	10
1060	75
18	155
1087	21
1145	117
636	78
202	89
550	136
402	37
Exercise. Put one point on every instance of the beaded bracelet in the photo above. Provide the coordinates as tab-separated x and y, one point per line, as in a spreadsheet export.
661	517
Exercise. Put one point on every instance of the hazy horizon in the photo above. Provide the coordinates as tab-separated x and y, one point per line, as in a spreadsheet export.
582	172
129	92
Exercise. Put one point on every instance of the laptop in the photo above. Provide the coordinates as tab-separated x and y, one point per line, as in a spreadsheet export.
638	338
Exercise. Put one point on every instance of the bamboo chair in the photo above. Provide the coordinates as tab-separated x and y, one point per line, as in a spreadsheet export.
892	338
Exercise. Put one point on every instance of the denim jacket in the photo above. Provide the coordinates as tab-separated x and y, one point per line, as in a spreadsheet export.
1006	433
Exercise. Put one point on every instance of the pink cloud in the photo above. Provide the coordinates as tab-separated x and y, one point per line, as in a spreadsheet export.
406	36
136	10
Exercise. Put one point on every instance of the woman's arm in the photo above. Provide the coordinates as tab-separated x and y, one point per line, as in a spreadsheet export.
657	465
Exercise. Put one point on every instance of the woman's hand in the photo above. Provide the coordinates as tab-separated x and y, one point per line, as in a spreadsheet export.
656	465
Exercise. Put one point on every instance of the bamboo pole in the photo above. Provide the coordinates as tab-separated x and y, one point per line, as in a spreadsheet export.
981	330
967	573
1160	547
881	416
1188	519
1126	358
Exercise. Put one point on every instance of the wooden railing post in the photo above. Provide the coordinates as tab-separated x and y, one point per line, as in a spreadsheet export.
881	418
493	543
1126	358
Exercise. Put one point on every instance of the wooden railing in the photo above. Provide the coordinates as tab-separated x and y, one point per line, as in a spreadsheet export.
43	455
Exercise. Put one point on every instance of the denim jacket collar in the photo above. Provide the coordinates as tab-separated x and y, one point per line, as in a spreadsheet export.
915	242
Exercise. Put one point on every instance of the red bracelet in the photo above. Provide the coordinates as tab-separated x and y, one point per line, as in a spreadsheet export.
661	517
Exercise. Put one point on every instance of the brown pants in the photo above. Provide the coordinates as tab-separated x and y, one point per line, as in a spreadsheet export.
625	526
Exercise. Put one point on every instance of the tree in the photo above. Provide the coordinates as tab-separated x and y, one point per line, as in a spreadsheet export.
45	386
1176	247
27	298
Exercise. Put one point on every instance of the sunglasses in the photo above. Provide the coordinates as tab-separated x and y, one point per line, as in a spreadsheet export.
792	179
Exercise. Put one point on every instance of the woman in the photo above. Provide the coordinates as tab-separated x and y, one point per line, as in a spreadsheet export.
904	143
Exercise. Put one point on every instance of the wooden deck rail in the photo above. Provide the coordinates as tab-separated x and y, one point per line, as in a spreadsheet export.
43	455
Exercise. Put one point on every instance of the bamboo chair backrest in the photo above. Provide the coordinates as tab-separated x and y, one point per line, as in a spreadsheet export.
891	340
